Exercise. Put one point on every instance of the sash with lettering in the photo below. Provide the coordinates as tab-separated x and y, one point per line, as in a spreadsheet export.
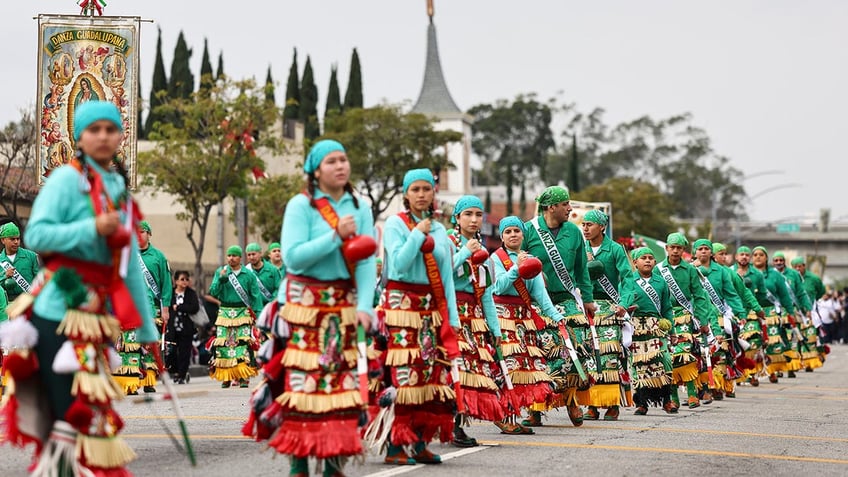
604	280
446	333
778	309
675	290
151	283
556	259
262	288
725	310
522	290
238	288
20	280
652	294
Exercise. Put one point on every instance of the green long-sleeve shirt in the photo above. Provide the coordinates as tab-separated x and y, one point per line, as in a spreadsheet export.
722	282
795	284
689	281
617	266
269	277
3	304
775	282
26	264
569	243
226	293
749	301
632	293
157	265
814	286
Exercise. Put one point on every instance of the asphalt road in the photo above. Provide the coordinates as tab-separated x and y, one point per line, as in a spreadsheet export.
796	427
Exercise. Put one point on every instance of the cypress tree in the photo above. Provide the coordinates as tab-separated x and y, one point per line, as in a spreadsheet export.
573	166
334	100
522	201
160	83
487	205
353	96
182	80
206	78
309	103
292	108
220	73
269	87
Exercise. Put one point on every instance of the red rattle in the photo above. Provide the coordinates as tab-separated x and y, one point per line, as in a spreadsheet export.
359	247
479	256
530	268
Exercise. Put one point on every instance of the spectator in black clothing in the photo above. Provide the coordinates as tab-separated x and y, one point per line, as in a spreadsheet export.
184	302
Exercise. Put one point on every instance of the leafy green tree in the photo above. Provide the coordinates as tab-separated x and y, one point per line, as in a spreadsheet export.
219	74
637	206
267	201
181	84
383	143
206	78
308	111
159	88
353	95
514	139
334	101
211	155
269	87
292	107
18	185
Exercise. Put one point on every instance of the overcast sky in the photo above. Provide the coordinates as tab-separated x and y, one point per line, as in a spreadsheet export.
767	79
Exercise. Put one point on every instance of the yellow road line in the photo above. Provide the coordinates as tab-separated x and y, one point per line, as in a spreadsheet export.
709	431
194	437
191	418
671	451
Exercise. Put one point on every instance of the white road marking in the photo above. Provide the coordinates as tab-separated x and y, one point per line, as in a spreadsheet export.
409	468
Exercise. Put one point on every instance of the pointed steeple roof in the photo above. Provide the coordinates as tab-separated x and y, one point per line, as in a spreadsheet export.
434	99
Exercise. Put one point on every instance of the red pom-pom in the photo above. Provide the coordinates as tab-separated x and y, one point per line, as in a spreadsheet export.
743	362
119	239
428	245
273	369
529	268
20	367
359	248
479	256
79	415
826	349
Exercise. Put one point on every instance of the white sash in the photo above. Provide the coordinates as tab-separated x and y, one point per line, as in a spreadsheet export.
21	281
262	288
604	280
675	290
725	310
238	288
652	294
556	259
148	277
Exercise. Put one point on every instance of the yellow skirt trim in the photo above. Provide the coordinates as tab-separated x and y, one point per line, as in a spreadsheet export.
233	373
104	452
601	395
685	373
128	384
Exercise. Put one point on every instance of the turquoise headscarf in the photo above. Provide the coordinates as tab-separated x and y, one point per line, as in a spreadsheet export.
466	202
511	221
318	152
596	217
93	111
413	175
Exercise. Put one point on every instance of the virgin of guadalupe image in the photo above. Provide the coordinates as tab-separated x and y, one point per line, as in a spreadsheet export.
85	94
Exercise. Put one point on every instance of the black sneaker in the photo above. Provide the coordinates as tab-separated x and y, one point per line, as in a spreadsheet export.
149	389
461	439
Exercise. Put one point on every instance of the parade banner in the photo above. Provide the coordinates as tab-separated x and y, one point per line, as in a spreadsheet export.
80	59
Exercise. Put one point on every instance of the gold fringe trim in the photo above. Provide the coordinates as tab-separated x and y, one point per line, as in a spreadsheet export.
655	382
88	326
601	395
134	370
484	354
226	362
422	394
21	304
400	357
464	347
96	387
478	381
507	325
233	322
577	320
646	357
219	341
321	403
479	325
609	347
149	378
530	325
684	358
129	384
685	373
773	339
372	353
529	377
304	315
535	352
510	349
607	376
808	355
772	320
683	320
104	452
403	318
129	347
233	373
747	334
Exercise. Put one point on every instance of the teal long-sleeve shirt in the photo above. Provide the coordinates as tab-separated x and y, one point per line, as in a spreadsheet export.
26	264
689	281
775	282
462	282
224	291
617	266
157	265
62	222
403	261
505	285
312	248
569	243
722	282
632	293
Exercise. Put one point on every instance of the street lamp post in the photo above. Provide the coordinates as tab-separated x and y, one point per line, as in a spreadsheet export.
718	193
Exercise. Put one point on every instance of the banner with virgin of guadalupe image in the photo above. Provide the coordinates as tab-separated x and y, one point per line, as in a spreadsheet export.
84	59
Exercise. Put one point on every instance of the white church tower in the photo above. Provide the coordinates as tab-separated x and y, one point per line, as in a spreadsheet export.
435	101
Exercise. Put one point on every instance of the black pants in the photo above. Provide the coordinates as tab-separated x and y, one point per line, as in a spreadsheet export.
182	355
57	386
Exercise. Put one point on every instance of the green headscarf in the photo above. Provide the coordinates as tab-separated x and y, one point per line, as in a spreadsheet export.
639	252
551	196
779	255
702	242
596	217
744	249
799	260
760	247
719	247
677	238
9	230
234	250
145	227
253	247
273	245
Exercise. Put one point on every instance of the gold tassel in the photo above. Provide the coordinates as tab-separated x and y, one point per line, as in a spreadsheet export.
477	381
20	305
422	394
507	325
403	319
610	347
479	325
529	377
298	359
81	324
320	403
96	387
233	373
104	452
400	357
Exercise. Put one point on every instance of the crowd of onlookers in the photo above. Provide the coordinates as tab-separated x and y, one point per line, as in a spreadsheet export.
832	310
